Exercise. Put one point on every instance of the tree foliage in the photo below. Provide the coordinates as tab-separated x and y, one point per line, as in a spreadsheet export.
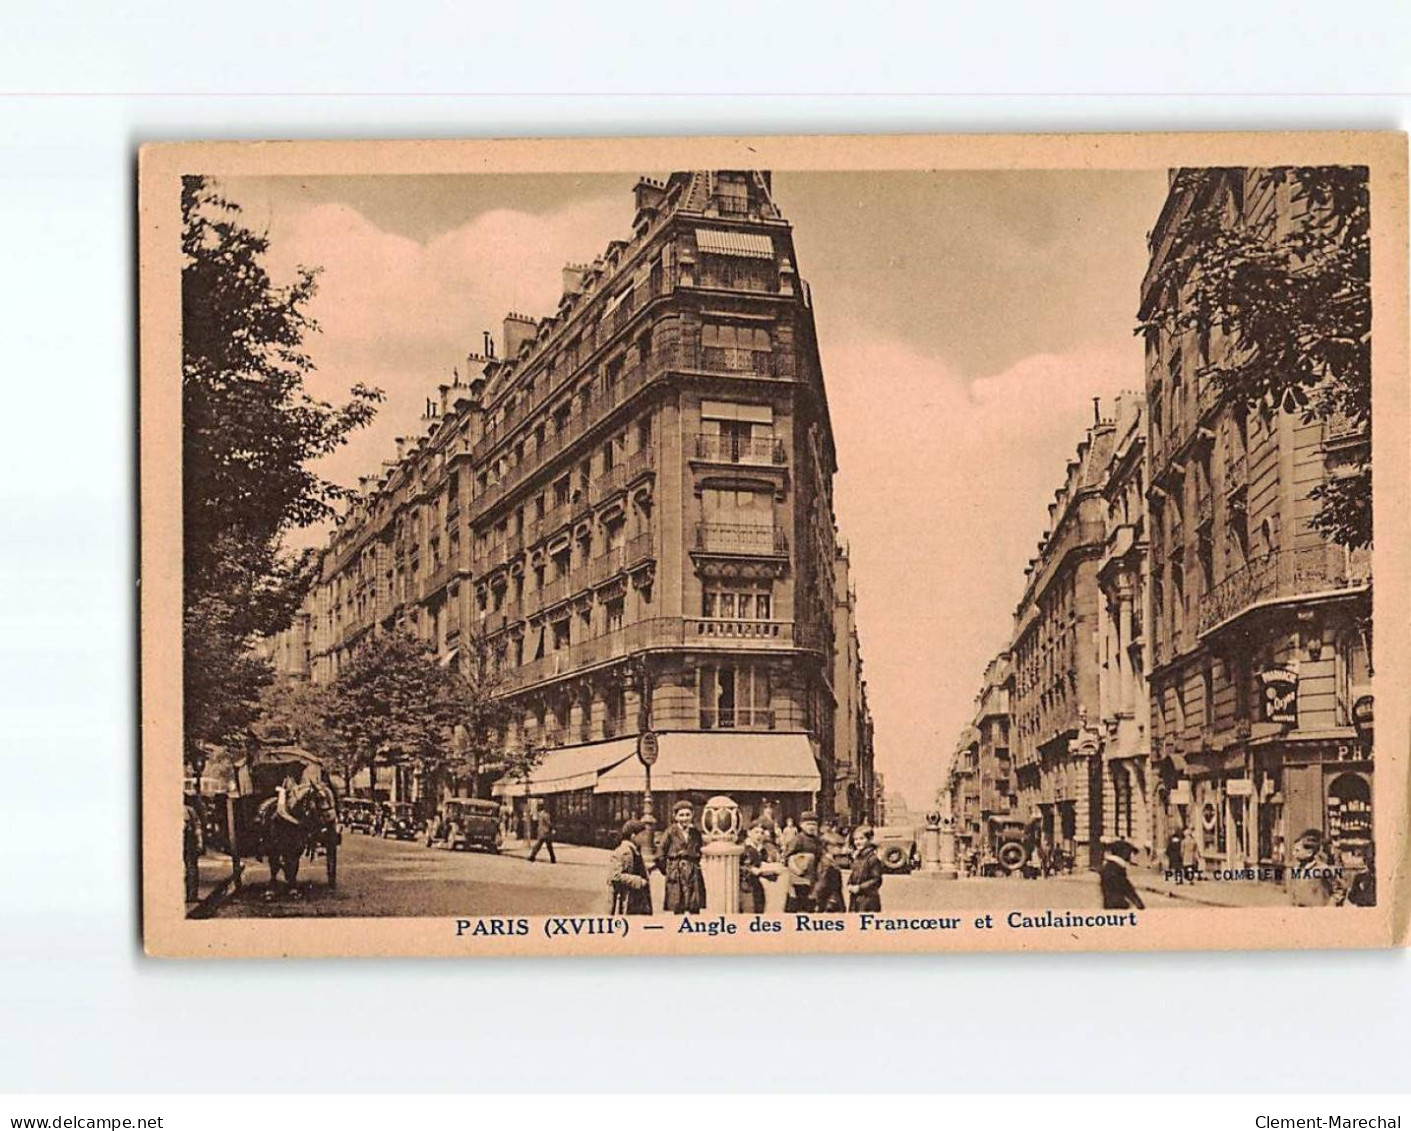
1292	303
250	432
481	717
394	703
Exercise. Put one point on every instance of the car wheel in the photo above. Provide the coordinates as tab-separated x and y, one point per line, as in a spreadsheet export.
894	857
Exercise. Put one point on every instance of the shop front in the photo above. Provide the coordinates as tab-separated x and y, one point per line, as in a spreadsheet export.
592	790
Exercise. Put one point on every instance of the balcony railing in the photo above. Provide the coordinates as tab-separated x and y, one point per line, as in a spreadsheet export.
737	718
736	538
660	632
749	631
764	450
1281	575
732	359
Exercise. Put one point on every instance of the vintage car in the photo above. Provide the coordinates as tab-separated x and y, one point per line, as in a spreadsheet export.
1010	845
466	822
897	848
399	820
358	814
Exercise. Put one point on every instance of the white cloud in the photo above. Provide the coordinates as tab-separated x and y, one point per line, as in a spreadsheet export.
942	492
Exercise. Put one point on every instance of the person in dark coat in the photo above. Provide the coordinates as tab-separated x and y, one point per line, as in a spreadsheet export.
754	855
1173	851
679	860
627	874
544	829
1117	890
827	892
865	877
801	861
1361	889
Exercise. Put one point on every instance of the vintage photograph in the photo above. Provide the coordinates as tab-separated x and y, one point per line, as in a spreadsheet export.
870	546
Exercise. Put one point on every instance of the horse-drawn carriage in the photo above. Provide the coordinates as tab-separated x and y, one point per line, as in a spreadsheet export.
289	811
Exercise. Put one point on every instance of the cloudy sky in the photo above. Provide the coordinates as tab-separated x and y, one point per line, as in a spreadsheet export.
966	321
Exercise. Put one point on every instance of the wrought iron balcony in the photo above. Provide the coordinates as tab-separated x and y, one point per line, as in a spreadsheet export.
1283	575
756	451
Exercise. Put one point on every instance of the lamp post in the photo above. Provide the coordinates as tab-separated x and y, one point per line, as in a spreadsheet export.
646	753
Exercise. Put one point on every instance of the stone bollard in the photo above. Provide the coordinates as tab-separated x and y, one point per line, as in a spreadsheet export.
720	856
931	844
946	866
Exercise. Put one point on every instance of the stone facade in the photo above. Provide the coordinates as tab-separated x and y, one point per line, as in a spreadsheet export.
1258	627
629	508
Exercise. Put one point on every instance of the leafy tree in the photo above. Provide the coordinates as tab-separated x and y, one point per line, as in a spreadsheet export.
302	709
393	702
480	716
250	433
1293	302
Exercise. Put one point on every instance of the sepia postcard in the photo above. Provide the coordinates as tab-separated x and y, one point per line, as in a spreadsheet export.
774	545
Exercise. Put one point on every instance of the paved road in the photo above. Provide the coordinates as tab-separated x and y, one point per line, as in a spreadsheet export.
405	878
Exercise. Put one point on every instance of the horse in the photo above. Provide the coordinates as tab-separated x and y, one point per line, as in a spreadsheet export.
287	823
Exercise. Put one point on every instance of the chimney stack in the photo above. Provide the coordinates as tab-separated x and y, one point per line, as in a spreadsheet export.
518	329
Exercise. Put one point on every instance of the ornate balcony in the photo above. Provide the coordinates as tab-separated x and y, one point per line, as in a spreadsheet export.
757	451
1283	575
737	538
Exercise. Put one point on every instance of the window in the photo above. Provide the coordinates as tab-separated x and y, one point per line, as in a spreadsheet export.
616	529
539	505
727	603
1353	674
560	635
734	696
736	349
562	562
614	614
561	492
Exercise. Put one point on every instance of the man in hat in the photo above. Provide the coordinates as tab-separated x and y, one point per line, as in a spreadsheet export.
679	860
801	863
1117	890
627	873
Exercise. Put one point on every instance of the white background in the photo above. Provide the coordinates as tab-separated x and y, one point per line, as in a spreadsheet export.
84	1011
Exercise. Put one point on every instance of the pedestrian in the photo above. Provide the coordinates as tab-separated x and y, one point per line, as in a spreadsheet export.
865	876
1311	883
1361	889
1190	850
1174	850
827	893
753	858
1117	890
801	859
628	881
544	828
192	845
787	835
679	860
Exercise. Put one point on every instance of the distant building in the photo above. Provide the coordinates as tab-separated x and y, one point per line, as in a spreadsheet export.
854	790
1259	628
629	507
1129	809
1056	707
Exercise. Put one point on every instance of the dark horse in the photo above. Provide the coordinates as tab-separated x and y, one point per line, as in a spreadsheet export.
287	823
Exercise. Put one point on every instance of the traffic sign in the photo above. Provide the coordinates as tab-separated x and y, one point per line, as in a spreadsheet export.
647	747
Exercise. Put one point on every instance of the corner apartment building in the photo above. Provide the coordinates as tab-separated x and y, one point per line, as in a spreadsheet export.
981	783
629	507
1259	628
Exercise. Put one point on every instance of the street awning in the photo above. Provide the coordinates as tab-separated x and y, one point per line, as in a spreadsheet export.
746	245
569	768
719	762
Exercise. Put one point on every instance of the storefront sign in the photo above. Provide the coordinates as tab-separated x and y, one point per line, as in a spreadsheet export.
1280	695
1362	717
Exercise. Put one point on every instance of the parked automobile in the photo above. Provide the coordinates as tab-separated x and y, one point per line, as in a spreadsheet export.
1011	848
897	847
399	820
358	814
465	823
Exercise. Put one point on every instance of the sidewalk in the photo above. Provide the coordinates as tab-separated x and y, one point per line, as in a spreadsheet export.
579	855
